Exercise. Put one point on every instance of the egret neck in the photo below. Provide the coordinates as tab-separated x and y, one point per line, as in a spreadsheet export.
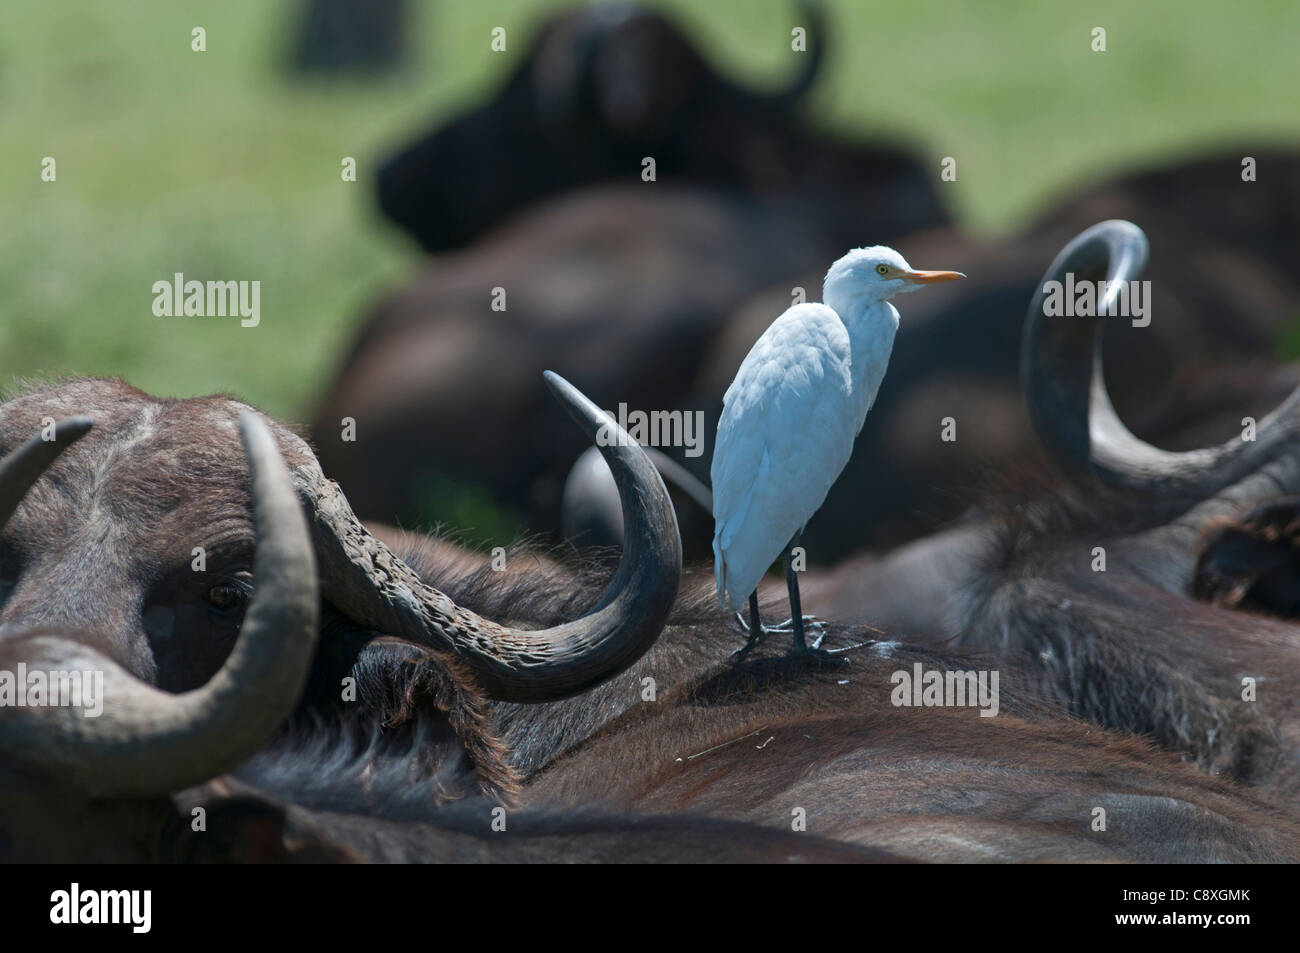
872	323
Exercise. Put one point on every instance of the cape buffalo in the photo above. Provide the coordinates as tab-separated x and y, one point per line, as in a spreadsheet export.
130	558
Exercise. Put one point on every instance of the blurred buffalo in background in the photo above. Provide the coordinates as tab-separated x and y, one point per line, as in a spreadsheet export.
603	88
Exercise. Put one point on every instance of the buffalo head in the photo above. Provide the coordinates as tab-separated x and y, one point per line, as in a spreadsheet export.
141	543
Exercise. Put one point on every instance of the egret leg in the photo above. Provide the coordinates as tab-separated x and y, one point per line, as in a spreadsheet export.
755	628
797	618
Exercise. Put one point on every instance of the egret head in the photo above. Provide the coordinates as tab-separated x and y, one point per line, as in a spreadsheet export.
868	275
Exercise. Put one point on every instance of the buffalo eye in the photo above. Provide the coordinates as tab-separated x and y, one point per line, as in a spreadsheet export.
225	597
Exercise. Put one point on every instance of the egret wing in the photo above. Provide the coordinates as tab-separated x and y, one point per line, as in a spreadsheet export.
786	432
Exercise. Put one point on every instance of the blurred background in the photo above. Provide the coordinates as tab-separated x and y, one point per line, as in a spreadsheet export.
226	164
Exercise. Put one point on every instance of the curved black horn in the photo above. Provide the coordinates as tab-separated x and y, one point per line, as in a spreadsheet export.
375	588
22	468
1065	390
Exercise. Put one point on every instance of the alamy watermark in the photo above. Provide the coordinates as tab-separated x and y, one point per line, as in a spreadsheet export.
208	299
35	688
945	689
133	908
656	428
1082	299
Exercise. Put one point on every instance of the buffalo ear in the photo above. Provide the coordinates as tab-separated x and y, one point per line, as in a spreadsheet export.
1253	563
247	830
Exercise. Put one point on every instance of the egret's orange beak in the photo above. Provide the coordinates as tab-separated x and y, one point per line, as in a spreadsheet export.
926	277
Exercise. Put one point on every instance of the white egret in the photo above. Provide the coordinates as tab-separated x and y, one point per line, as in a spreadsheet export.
790	417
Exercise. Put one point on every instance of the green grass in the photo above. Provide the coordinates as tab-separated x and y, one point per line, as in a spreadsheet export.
217	164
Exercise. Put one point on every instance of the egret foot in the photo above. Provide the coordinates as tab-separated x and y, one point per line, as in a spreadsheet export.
822	658
800	624
811	624
811	653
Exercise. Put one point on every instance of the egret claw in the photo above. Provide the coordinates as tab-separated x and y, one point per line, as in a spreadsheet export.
821	657
810	623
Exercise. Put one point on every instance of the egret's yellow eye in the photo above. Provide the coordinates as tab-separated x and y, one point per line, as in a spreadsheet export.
882	269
